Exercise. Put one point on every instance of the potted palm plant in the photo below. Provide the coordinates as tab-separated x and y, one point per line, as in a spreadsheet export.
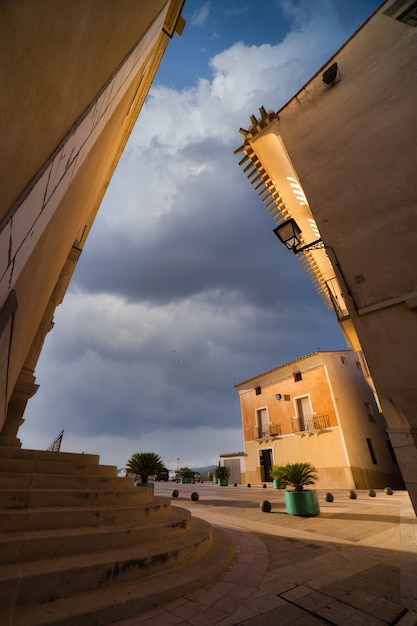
145	464
186	475
299	501
222	475
274	473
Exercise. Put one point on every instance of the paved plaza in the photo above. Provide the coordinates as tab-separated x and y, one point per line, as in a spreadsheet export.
355	563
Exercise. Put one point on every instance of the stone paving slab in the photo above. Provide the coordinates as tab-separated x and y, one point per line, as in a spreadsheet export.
355	563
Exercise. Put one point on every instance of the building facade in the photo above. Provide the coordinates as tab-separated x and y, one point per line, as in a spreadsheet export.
318	409
339	160
74	77
236	461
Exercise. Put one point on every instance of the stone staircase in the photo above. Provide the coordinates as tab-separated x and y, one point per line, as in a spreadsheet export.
80	545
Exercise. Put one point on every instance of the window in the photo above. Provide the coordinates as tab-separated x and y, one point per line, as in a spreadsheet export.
262	421
371	449
392	453
344	360
369	411
409	16
395	7
287	397
363	363
304	412
297	376
258	391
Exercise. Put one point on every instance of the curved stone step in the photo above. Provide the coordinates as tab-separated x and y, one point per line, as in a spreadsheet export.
52	466
18	460
49	580
25	498
101	606
7	452
25	480
107	548
47	544
13	520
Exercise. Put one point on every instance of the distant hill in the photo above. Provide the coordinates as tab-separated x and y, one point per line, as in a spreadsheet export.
204	470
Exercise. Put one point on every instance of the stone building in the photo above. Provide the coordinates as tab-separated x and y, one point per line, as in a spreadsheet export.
76	538
335	167
318	409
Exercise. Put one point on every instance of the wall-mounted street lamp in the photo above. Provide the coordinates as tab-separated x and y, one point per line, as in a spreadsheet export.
289	234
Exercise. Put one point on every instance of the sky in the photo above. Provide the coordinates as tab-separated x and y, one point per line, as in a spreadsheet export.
182	290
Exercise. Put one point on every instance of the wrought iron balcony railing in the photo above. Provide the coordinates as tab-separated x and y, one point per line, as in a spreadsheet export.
270	430
337	300
311	422
306	423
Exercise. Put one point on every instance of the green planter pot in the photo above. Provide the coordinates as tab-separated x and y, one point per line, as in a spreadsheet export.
186	481
304	503
223	482
277	484
148	485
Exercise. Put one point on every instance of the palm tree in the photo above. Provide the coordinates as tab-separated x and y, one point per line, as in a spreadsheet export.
297	475
222	472
145	464
186	472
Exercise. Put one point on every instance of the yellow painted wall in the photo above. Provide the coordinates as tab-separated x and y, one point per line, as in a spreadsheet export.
340	453
282	412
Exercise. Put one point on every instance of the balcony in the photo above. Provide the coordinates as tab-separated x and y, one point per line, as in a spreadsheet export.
311	422
337	299
266	430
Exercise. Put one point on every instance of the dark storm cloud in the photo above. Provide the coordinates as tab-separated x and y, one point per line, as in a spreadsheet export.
217	236
182	290
175	385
